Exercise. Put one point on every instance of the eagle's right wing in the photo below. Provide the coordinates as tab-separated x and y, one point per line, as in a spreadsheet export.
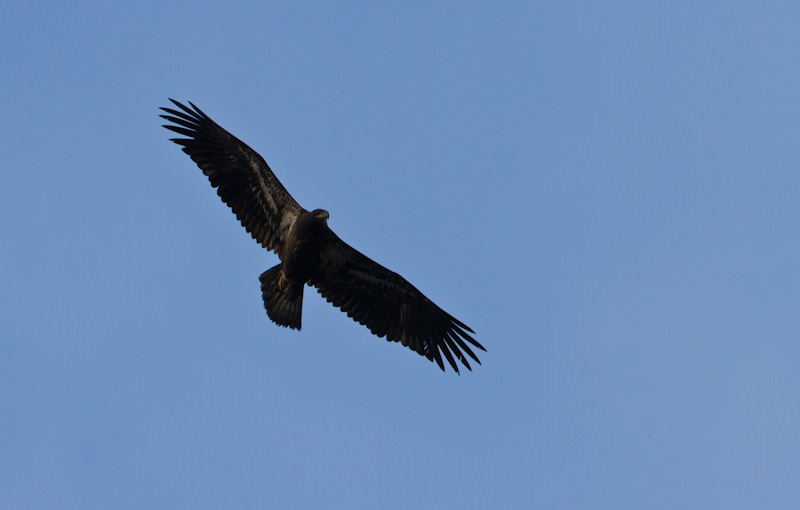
243	179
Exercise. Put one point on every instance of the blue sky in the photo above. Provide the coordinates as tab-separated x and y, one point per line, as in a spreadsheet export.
606	193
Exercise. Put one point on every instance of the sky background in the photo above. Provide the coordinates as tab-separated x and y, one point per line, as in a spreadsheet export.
608	194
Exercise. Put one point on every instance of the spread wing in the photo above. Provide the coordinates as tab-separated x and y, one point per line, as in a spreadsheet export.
243	179
388	305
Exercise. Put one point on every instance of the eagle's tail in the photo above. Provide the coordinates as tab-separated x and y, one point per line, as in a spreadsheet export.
283	298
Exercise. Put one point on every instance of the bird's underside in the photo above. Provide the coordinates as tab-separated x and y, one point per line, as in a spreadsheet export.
311	253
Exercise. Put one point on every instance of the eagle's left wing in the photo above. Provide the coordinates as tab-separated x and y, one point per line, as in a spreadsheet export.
388	305
243	179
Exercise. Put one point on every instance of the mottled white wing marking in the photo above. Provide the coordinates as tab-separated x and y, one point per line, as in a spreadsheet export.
287	223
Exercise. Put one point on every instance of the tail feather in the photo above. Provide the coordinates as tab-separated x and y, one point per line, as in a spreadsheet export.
283	300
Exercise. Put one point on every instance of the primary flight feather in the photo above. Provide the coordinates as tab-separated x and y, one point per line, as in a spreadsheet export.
311	253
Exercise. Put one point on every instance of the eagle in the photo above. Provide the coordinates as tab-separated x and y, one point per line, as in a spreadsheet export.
311	253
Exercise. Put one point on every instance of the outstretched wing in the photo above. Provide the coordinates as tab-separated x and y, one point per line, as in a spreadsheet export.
243	179
388	305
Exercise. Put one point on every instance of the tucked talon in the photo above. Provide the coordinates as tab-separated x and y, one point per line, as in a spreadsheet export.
284	283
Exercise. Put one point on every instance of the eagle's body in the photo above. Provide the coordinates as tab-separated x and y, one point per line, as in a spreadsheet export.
311	253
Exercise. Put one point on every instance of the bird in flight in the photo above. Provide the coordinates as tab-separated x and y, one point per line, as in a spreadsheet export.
310	253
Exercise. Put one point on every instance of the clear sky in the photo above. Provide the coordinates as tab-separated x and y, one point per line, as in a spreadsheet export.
607	193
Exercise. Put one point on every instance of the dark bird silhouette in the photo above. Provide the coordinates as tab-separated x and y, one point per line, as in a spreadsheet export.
311	253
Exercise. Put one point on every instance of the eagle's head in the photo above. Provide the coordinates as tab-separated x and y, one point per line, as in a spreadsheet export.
318	220
321	214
